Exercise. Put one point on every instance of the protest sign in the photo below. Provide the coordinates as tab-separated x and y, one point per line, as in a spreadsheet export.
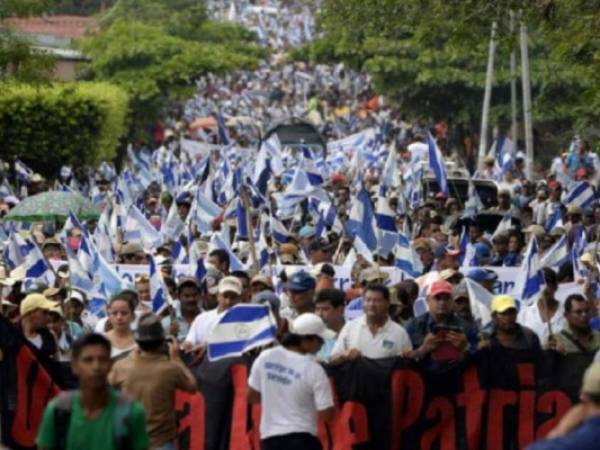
498	399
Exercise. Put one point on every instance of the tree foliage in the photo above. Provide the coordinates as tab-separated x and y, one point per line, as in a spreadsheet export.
430	55
155	49
69	123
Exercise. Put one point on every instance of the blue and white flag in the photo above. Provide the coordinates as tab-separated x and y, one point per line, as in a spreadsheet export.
361	221
437	164
315	176
504	226
407	259
555	220
533	278
139	229
581	194
203	212
480	300
240	329
279	232
159	295
557	255
36	267
23	172
386	226
16	250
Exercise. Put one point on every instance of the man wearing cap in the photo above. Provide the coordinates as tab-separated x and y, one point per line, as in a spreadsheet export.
374	335
461	303
230	290
151	377
35	317
132	253
293	388
485	277
423	247
504	331
300	288
370	275
184	204
260	283
52	249
440	329
288	253
579	428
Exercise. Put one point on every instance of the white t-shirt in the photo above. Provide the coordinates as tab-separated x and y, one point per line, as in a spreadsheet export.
293	388
201	326
529	316
389	340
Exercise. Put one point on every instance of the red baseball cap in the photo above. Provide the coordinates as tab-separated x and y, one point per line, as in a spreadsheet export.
440	287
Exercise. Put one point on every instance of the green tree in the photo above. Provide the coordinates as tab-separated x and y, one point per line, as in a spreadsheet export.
155	49
429	56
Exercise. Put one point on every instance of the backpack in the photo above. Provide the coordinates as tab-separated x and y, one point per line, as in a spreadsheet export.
120	422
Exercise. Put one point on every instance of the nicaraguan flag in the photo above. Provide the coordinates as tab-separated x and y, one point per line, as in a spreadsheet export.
407	259
138	228
23	172
361	221
386	226
216	241
278	232
480	300
581	194
240	329
437	164
557	255
555	220
504	225
158	290
533	279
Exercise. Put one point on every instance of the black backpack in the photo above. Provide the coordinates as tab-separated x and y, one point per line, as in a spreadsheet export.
121	420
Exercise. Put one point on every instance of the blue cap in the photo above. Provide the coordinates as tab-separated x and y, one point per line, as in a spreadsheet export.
482	251
480	275
306	231
300	282
184	197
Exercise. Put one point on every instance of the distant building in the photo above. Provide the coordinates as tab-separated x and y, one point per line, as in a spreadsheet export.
55	35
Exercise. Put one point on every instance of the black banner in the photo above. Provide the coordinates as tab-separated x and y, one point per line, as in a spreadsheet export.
499	399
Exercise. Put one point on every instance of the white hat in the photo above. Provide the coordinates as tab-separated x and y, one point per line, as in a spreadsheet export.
76	295
309	324
230	284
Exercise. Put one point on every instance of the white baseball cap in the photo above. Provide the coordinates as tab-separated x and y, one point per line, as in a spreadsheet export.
230	284
308	324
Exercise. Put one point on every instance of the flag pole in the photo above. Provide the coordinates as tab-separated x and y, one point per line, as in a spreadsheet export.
526	100
513	81
487	96
246	203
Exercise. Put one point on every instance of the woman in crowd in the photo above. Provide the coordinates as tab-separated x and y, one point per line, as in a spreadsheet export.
121	316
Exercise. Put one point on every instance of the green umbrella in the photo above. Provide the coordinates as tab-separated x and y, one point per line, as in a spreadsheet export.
53	206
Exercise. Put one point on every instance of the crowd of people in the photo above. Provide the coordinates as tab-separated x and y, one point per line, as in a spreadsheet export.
353	256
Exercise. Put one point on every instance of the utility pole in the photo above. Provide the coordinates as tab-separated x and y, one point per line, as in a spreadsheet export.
526	101
487	97
513	81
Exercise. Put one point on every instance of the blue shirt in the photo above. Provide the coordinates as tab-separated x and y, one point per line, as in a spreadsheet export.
586	437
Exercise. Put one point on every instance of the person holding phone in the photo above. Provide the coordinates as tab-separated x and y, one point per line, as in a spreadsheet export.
439	337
